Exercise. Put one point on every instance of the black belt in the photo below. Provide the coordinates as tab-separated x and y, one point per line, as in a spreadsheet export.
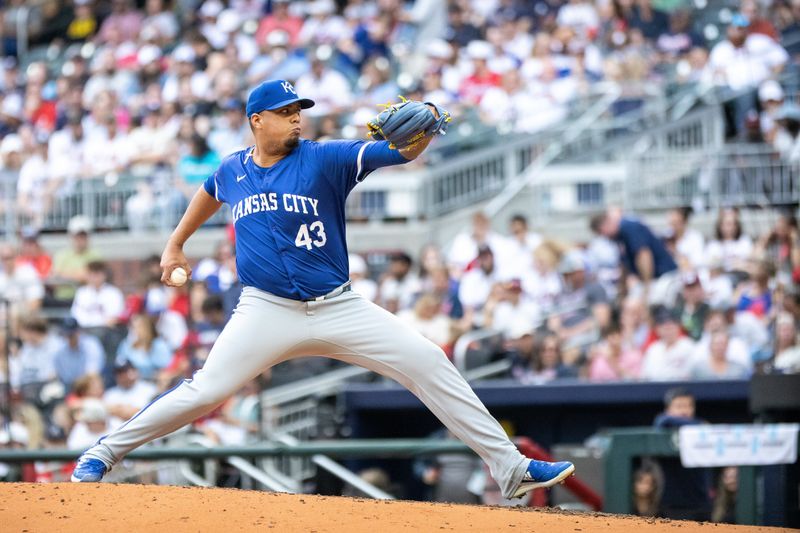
341	289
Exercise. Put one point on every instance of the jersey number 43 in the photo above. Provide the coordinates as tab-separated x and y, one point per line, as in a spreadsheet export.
304	235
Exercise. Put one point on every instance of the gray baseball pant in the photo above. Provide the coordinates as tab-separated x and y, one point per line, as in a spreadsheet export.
266	329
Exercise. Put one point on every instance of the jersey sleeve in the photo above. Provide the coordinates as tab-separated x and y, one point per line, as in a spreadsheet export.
215	183
355	160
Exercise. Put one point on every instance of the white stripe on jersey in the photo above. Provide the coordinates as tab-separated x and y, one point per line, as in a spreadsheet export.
359	162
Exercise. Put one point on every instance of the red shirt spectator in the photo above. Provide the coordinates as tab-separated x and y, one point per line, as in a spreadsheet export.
280	19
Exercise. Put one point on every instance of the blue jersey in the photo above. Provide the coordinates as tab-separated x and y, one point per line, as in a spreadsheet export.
289	218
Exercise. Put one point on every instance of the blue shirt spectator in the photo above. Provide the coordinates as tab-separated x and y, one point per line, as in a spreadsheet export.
80	354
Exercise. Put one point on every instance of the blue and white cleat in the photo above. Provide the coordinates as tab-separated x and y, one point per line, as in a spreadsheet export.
88	470
541	474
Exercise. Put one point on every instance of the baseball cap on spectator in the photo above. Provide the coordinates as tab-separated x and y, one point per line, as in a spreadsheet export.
69	325
79	224
479	50
211	9
571	262
690	279
123	366
148	53
29	233
739	21
184	54
663	315
770	90
278	38
92	410
11	143
484	249
357	264
439	49
274	94
229	21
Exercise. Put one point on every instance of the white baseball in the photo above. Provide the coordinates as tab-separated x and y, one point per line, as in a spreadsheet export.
178	276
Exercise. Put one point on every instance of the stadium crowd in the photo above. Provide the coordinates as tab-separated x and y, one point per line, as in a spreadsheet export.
153	91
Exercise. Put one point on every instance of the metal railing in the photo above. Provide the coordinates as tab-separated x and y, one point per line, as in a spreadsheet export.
733	175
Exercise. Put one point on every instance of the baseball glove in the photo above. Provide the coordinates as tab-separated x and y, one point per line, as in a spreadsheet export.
406	123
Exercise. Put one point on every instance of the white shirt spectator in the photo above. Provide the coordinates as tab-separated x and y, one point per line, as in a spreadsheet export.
97	307
104	154
136	396
33	183
748	66
788	360
507	317
673	363
737	351
542	288
436	330
692	246
732	253
330	91
580	16
403	291
475	287
65	154
21	286
520	255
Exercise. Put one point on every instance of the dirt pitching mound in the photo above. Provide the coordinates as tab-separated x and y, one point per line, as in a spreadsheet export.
89	507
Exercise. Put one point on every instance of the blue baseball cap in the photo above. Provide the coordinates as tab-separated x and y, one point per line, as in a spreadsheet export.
740	21
272	95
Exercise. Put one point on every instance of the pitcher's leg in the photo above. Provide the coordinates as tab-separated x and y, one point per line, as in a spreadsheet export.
375	339
241	352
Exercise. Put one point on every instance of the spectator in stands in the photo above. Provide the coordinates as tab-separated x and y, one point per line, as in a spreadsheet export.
730	243
205	332
34	362
771	97
359	278
475	86
427	318
230	131
715	364
446	289
582	309
543	284
521	245
754	296
686	490
98	304
670	357
197	165
648	484
718	321
718	285
689	242
325	85
547	363
144	349
724	505
644	255
129	395
70	265
679	39
691	306
787	351
399	284
506	304
742	62
611	360
476	285
79	354
280	18
758	24
779	246
32	253
91	425
633	321
19	283
36	188
464	248
216	271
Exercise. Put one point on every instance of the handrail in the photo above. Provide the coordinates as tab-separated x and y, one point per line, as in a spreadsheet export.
256	473
314	385
462	345
339	471
351	448
518	183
